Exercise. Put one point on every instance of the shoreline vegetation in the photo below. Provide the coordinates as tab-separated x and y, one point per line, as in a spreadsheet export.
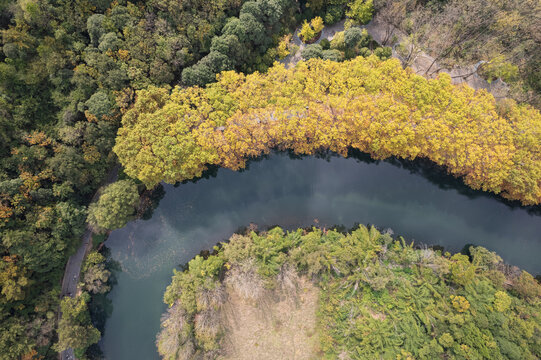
377	297
366	104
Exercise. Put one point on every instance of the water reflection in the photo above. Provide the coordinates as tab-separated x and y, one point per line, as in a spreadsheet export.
415	199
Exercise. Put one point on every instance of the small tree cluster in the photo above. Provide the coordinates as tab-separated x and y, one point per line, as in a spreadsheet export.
310	30
243	43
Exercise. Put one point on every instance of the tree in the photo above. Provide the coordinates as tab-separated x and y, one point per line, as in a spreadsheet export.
309	30
99	104
13	279
74	329
312	51
306	33
317	24
419	29
109	42
115	206
230	46
333	55
391	13
95	274
527	286
352	37
283	46
360	11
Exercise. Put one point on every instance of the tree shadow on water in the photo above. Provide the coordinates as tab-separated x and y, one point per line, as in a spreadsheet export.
439	176
436	174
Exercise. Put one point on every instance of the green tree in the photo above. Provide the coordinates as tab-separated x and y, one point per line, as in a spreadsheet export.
115	207
95	274
95	28
99	104
312	51
75	330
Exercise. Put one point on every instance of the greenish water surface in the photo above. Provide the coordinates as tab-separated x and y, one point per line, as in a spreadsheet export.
413	200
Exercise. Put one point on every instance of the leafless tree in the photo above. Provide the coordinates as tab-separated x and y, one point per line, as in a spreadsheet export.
391	13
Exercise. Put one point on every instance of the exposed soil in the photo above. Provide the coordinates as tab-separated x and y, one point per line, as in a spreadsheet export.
276	327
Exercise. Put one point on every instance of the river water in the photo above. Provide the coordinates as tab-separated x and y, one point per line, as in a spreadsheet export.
413	200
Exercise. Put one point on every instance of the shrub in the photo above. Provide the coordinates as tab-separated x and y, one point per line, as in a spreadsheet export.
333	55
338	42
245	280
325	44
352	37
365	52
498	68
383	53
312	51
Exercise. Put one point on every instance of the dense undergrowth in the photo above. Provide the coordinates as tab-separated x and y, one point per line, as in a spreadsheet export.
380	297
367	104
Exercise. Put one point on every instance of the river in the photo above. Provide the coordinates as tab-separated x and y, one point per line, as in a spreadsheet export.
421	204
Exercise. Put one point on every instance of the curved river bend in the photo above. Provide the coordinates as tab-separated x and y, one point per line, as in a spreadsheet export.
292	193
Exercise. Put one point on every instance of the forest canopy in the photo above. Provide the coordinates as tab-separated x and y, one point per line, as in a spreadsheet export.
379	297
366	104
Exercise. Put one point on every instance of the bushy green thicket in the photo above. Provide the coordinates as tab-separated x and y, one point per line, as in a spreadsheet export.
245	42
380	298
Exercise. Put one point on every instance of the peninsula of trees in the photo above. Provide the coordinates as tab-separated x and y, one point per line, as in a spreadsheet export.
378	298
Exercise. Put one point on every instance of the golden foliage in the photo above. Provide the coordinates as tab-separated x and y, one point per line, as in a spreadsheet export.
460	303
373	106
38	138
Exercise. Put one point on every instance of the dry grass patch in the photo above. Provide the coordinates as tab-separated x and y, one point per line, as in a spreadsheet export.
281	324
